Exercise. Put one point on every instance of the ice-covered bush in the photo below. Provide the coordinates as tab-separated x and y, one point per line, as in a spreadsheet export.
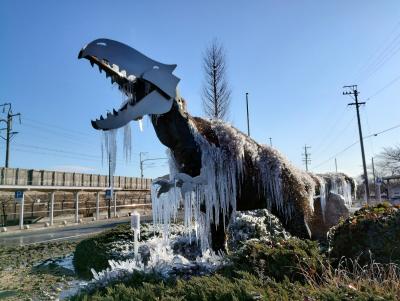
371	233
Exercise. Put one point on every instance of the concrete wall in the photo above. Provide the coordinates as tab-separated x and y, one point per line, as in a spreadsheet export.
19	176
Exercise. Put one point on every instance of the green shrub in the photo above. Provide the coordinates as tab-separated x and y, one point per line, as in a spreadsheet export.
94	252
243	286
285	258
372	233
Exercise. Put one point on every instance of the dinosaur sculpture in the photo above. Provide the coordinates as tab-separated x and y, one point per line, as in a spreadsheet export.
218	168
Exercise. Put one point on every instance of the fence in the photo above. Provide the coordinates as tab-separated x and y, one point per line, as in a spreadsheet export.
31	177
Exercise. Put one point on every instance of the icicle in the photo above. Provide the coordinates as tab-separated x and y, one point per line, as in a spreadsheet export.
127	142
141	124
322	194
217	185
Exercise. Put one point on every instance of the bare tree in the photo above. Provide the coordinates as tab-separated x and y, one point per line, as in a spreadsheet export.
389	161
216	92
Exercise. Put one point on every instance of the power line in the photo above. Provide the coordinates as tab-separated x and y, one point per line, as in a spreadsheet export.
384	87
379	49
58	127
381	56
344	129
356	142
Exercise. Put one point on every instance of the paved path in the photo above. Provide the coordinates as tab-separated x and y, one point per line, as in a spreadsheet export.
72	232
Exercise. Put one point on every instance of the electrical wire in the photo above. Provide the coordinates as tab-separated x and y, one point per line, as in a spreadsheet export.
356	142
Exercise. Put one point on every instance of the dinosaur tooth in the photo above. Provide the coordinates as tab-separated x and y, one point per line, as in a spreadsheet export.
115	68
108	114
94	124
101	117
107	75
115	112
100	69
92	63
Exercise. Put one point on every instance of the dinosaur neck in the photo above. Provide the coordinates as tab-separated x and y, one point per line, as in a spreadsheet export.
174	132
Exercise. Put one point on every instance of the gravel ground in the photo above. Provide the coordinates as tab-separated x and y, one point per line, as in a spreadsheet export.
30	273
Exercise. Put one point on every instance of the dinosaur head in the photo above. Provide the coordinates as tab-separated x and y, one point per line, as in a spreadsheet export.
150	86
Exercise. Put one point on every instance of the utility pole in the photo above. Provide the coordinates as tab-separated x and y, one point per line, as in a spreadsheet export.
270	141
144	160
335	165
373	173
141	163
9	134
247	109
306	158
352	90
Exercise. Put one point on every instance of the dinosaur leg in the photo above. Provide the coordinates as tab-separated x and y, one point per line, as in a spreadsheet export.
298	225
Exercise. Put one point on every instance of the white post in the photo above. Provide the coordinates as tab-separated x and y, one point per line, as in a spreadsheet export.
135	226
115	204
21	212
77	207
378	193
98	205
52	208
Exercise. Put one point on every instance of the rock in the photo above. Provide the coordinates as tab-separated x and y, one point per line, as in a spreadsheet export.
64	223
47	224
335	209
254	224
3	229
26	227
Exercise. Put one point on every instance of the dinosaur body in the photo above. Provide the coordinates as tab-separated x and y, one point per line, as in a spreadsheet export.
219	169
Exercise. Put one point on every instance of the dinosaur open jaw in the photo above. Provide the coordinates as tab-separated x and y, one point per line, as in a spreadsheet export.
149	85
134	88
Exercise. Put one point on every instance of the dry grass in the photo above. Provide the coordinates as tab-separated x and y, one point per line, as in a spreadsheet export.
377	277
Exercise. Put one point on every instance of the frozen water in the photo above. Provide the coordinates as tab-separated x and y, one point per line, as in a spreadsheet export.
141	124
127	142
216	187
163	261
335	183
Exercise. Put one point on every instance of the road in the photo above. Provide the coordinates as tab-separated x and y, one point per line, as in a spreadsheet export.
57	233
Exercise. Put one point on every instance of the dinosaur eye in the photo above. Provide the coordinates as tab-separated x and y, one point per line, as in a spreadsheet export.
101	44
156	67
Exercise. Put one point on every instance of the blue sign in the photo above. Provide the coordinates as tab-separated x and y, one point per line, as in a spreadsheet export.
19	194
108	194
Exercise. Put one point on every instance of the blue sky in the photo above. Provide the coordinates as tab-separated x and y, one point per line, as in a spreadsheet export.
293	57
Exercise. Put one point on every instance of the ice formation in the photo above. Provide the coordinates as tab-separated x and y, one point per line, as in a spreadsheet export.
335	183
162	260
110	146
223	167
141	124
127	142
135	226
